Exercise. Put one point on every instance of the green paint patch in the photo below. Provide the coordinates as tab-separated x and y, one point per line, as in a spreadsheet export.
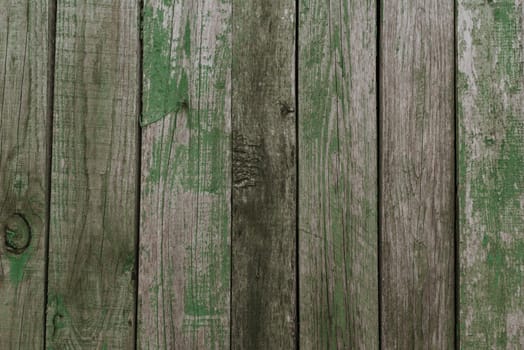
206	289
166	82
197	307
503	178
207	286
195	166
507	31
59	315
187	39
497	199
129	263
17	264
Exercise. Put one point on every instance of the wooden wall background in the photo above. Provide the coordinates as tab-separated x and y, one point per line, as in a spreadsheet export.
285	174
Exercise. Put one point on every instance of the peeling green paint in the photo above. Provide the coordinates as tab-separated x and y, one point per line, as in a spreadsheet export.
185	87
491	173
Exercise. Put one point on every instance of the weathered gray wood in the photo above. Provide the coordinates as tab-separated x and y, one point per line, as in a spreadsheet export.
338	175
184	280
94	176
264	175
490	85
417	174
24	138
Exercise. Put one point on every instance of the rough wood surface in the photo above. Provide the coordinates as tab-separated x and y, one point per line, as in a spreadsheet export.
264	175
417	174
338	175
184	284
94	176
24	135
490	82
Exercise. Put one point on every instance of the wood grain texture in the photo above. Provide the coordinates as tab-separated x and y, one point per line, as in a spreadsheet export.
490	82
264	175
417	174
24	138
94	176
338	175
184	285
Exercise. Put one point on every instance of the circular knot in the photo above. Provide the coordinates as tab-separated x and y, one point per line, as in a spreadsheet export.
17	233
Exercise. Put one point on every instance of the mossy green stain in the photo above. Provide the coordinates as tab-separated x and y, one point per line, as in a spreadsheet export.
323	145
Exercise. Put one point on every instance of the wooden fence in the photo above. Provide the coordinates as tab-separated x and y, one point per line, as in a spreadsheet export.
261	174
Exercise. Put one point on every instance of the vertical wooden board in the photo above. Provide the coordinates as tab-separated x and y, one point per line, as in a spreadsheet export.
184	279
490	37
24	135
264	175
338	175
417	174
94	176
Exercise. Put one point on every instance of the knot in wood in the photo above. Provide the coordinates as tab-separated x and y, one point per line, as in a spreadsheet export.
17	234
247	162
285	108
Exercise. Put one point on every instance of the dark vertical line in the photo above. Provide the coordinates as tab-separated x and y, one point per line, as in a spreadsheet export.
231	184
231	233
297	184
231	202
456	257
51	56
379	169
140	19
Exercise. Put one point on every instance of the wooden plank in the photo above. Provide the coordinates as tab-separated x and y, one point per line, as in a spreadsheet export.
338	175
91	295
417	174
184	285
24	141
491	173
264	175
